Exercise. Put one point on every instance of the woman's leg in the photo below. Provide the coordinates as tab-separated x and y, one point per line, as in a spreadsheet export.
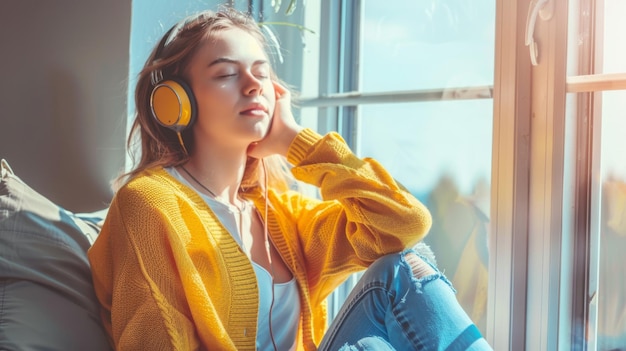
402	302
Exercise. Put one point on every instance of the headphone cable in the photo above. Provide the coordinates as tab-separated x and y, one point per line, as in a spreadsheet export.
268	252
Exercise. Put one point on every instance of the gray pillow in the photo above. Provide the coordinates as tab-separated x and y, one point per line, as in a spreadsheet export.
46	293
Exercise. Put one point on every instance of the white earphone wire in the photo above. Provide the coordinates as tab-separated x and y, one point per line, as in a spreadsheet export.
268	251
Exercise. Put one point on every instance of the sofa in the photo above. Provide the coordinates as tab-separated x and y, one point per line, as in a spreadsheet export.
47	300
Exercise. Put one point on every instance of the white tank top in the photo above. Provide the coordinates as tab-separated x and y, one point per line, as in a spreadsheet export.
283	300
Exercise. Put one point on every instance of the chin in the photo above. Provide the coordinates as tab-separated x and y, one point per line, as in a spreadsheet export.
257	134
262	129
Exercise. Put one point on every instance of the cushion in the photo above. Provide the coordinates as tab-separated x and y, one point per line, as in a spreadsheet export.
46	294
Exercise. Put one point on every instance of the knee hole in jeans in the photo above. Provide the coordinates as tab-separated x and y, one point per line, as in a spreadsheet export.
420	268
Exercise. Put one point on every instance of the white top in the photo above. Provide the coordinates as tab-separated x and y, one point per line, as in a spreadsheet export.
282	299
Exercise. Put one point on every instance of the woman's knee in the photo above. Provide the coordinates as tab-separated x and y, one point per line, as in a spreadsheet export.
420	268
418	261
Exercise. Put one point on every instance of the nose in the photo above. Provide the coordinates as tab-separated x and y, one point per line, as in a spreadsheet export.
253	85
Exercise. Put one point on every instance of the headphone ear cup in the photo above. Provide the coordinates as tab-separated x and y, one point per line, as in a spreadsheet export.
173	104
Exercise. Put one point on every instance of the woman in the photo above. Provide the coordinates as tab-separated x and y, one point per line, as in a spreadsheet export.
206	247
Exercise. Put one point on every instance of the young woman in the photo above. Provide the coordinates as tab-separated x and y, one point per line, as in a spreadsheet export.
207	246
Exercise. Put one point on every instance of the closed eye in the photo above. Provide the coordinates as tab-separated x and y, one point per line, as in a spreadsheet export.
261	73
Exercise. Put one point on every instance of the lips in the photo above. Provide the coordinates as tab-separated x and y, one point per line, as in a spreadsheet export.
256	109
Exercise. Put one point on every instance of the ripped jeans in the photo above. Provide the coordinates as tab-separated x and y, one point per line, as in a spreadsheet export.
402	302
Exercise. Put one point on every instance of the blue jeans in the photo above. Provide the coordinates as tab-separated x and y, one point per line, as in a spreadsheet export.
403	302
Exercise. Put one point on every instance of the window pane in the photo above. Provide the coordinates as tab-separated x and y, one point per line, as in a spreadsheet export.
614	56
294	43
413	45
611	330
441	151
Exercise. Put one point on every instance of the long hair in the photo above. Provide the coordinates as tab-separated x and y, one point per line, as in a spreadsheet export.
157	145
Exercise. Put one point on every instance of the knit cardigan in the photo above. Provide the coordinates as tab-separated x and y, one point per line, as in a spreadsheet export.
169	276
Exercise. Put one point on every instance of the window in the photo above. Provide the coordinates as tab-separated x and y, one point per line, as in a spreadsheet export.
410	84
396	78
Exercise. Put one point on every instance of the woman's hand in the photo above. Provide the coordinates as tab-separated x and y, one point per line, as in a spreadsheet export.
283	128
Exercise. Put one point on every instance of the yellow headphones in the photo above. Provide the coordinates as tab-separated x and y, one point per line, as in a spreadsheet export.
173	104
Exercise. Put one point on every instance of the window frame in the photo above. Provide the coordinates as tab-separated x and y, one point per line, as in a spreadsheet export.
588	85
510	181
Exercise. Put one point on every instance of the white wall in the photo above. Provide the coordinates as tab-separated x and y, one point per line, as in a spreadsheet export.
63	102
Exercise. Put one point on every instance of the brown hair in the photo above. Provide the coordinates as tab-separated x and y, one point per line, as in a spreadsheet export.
160	146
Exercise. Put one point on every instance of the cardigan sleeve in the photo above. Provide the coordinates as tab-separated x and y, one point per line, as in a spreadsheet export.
144	280
364	213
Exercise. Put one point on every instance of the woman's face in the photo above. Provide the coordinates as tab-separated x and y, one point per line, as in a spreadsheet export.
230	78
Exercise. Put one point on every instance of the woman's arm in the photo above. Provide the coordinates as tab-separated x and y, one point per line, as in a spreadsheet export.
145	279
135	308
364	214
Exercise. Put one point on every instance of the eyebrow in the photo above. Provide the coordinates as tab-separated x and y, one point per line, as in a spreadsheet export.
229	60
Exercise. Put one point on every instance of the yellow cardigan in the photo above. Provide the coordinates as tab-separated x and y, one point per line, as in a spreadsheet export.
170	277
